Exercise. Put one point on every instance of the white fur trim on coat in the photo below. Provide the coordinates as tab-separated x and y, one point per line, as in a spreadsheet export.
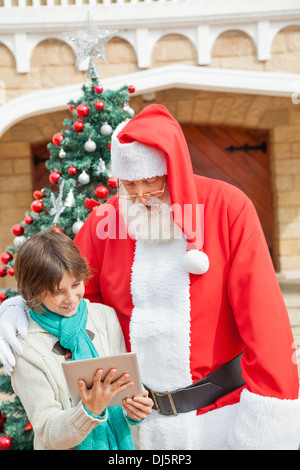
135	161
160	335
265	423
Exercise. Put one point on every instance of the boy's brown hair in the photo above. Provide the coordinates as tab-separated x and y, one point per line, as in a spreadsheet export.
41	263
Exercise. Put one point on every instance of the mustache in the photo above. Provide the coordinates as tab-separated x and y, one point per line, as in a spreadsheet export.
153	206
150	202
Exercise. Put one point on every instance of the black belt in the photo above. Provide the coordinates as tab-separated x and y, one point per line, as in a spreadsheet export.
200	394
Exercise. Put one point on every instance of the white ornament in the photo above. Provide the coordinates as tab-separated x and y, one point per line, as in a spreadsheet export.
62	153
57	203
101	168
195	262
128	109
84	178
18	241
90	145
77	226
70	199
106	129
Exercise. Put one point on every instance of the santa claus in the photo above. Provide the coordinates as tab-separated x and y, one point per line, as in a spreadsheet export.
183	261
186	267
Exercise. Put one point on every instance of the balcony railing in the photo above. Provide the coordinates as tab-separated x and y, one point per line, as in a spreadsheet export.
66	3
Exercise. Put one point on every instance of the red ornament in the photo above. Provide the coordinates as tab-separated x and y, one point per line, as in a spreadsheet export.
56	229
78	126
71	107
109	146
131	89
99	105
57	138
112	182
54	177
28	426
17	230
82	110
28	220
37	206
72	170
101	192
6	257
91	203
11	271
2	298
2	271
98	88
5	443
2	415
38	194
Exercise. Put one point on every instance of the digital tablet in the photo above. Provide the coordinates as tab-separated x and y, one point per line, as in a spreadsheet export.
85	369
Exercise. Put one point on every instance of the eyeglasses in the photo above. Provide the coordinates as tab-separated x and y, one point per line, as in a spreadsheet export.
123	195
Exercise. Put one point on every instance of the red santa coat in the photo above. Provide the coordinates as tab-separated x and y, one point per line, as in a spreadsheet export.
237	305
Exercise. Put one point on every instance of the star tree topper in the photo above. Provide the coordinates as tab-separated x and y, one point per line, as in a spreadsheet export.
89	43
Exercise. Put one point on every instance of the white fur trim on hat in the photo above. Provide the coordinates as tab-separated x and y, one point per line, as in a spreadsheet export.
195	262
135	161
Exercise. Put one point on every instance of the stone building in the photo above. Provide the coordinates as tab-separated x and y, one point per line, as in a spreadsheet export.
229	72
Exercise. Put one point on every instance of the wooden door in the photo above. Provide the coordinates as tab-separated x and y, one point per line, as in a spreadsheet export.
238	156
40	174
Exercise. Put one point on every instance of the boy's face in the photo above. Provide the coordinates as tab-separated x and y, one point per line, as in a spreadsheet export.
65	300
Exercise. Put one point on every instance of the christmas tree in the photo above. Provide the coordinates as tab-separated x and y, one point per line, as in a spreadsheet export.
79	161
79	167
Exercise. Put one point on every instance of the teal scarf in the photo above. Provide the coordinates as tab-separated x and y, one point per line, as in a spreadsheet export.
113	434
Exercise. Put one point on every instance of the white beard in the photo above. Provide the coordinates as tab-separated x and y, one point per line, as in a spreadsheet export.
154	225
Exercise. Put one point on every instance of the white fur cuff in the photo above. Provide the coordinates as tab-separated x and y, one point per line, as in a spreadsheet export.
265	423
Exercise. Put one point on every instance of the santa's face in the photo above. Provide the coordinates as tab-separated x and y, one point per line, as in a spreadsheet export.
147	211
145	189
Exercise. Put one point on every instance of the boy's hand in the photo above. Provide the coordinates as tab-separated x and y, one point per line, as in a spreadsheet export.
138	407
100	395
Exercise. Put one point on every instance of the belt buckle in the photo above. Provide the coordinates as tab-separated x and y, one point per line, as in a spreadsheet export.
170	400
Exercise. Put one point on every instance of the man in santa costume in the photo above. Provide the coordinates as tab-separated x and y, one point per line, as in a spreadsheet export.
188	305
183	261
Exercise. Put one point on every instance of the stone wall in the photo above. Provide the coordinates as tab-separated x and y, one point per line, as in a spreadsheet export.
236	50
53	64
53	61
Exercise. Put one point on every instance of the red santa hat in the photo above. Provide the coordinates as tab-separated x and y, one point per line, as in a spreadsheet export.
153	144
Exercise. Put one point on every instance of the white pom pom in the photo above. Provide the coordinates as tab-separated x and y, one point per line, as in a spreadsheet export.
195	262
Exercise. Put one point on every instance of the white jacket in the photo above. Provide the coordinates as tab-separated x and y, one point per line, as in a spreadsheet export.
39	381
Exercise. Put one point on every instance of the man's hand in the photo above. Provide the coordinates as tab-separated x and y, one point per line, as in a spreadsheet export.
13	320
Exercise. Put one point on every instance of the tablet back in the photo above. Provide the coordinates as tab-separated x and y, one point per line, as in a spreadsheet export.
85	369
